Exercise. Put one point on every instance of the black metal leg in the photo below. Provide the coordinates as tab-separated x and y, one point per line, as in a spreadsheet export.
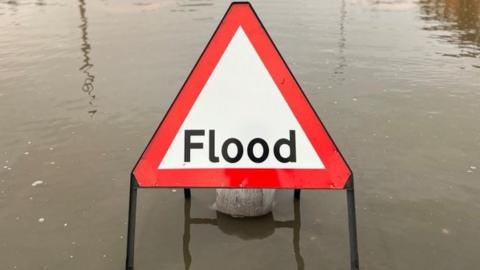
296	194
352	227
187	257
187	193
297	223
132	211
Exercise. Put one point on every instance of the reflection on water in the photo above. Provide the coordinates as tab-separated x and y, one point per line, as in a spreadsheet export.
342	61
87	85
12	5
453	21
245	229
191	5
456	21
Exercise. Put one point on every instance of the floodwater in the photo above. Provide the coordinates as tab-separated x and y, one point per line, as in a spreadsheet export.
83	85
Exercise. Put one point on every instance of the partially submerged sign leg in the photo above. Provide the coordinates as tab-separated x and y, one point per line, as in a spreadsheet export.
352	225
132	212
187	193
296	234
296	194
187	256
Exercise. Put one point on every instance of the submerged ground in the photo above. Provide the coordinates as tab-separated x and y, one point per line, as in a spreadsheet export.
83	85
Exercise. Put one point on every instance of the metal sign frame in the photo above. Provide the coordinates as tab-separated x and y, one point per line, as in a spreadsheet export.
352	221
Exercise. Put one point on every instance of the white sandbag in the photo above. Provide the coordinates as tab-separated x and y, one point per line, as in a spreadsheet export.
244	202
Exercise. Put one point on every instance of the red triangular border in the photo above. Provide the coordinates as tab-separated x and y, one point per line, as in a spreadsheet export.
336	172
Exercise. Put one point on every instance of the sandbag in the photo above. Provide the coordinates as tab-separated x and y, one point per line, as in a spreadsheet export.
244	202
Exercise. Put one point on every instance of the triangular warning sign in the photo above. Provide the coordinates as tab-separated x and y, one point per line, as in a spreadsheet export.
241	120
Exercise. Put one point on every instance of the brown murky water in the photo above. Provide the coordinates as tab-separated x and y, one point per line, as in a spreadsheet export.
83	84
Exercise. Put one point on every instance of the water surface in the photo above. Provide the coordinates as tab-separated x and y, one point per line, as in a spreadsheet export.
83	85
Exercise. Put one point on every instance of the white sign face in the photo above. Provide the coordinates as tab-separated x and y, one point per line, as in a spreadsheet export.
240	120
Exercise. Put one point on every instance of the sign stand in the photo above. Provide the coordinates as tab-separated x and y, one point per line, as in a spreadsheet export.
352	224
242	95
